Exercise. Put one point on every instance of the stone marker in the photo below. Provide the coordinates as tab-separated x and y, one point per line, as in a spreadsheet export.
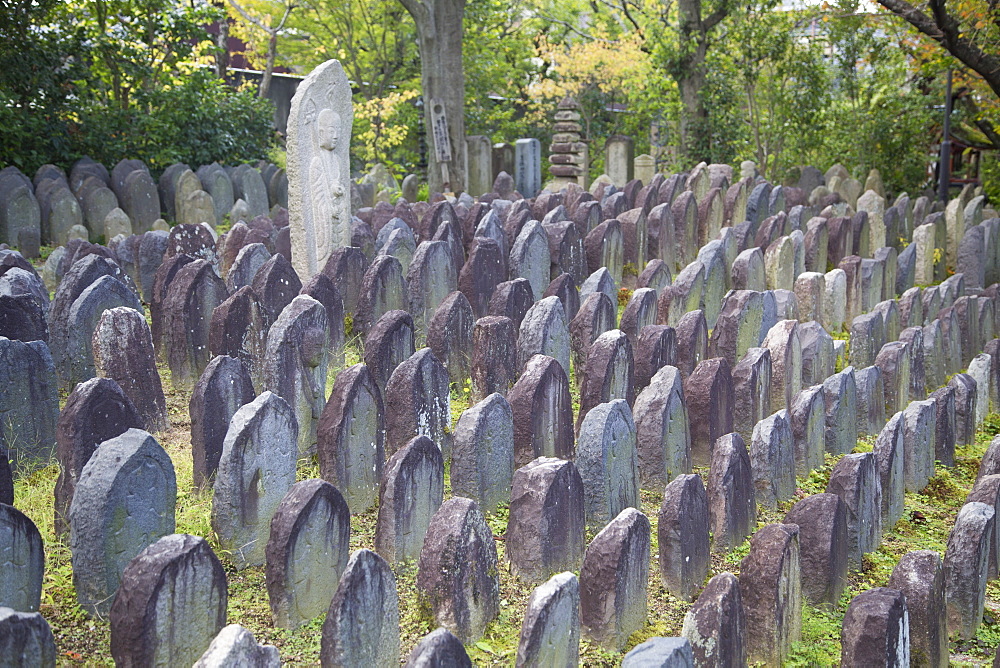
661	653
544	331
855	479
319	131
919	576
439	648
256	469
494	356
545	529
731	505
772	460
613	580
662	431
550	632
608	462
236	646
840	395
771	591
457	577
786	363
306	552
543	412
351	437
220	392
26	636
482	461
871	400
609	373
966	562
823	537
682	535
709	394
190	298
716	624
876	628
171	604
362	626
449	335
239	330
23	561
389	343
420	402
411	491
129	476
808	421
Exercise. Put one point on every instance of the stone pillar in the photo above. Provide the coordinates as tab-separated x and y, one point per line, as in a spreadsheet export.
479	163
619	152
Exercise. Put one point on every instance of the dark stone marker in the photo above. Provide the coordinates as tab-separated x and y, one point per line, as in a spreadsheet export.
484	270
965	407
751	391
306	552
655	349
692	341
876	630
97	410
771	590
543	412
609	372
24	561
545	529
362	625
597	315
458	577
710	400
383	289
276	284
550	632
822	521
166	272
388	344
732	507
449	335
613	580
190	299
171	604
351	437
608	462
239	330
716	625
439	648
494	356
26	639
682	534
855	479
663	436
919	575
565	289
418	395
346	268
222	389
127	476
411	492
123	351
966	563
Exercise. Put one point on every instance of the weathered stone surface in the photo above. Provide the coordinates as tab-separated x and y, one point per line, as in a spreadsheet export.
855	479
26	639
239	330
129	476
236	646
771	590
660	653
682	535
550	632
187	308
871	400
544	331
613	580
512	299
597	315
966	563
543	412
256	469
493	357
807	416
123	351
710	399
662	430
449	335
545	529
876	629
411	491
607	459
362	626
889	451
772	460
966	397
388	344
346	268
655	349
23	561
822	521
439	648
786	363
171	604
919	575
482	460
841	400
609	372
919	429
716	625
457	575
419	395
731	504
306	552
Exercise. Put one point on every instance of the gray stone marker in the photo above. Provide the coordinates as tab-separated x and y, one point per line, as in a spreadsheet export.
876	629
607	459
855	479
411	491
893	361
919	430
529	257
129	476
306	552
236	646
660	653
613	580
544	331
419	395
987	490
439	648
656	348
383	289
822	522
123	351
786	363
482	461
772	460
432	276
751	390
966	396
966	564
494	356
731	505
256	469
716	624
543	412
362	626
96	410
171	604
29	403
220	392
889	451
771	590
945	426
239	330
841	399
457	577
191	296
663	436
979	370
871	400
351	437
609	373
545	529
23	561
26	636
692	341
808	421
682	535
550	632
388	344
296	362
709	395
449	335
597	315
919	575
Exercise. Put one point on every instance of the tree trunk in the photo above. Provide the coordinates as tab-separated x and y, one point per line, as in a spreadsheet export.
222	44
265	81
689	73
442	77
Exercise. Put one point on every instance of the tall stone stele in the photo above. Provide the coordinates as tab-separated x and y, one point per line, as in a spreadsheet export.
319	188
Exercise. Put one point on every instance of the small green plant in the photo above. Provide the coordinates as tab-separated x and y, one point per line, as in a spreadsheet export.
629	270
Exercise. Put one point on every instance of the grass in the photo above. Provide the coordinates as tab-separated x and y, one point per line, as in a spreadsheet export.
925	524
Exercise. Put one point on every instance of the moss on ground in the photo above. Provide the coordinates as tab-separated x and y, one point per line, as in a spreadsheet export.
925	525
